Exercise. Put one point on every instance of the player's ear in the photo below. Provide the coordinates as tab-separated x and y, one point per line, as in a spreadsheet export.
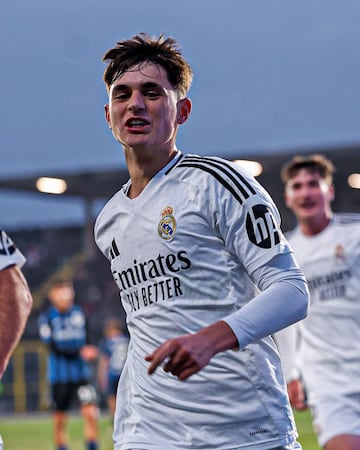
107	115
331	193
287	198
183	110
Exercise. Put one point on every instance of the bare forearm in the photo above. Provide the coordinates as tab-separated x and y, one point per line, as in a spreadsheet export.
15	307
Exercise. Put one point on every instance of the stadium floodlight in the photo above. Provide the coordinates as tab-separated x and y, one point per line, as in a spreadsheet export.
254	167
354	180
51	185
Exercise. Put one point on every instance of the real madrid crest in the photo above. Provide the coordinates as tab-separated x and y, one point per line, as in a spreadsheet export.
167	224
340	252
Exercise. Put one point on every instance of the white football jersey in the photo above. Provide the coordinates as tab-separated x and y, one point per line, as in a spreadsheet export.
9	253
183	254
329	357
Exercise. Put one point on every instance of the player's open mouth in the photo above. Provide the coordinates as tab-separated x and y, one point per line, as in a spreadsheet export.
307	205
132	123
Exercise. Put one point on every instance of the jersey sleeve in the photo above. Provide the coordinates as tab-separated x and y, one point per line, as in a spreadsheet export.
281	304
248	221
9	253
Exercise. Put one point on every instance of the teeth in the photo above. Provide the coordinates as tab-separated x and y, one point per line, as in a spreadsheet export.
134	123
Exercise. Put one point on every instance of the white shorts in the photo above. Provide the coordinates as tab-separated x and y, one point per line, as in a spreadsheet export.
293	446
336	414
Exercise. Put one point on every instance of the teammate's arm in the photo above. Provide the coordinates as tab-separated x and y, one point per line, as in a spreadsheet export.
15	307
288	342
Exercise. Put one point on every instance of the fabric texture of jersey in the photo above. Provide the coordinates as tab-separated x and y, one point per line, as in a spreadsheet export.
65	334
9	253
183	254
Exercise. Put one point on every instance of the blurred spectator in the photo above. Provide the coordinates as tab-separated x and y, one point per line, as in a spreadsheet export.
113	351
63	329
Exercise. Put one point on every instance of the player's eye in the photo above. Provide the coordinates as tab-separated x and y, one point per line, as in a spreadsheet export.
152	94
121	96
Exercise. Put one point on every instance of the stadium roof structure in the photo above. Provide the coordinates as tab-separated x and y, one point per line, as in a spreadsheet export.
103	183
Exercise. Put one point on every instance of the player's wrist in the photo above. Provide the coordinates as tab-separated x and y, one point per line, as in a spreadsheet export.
220	336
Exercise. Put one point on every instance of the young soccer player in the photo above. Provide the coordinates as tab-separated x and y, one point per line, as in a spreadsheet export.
322	354
63	329
188	239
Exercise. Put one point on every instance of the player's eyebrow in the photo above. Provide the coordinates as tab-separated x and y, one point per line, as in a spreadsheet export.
146	85
118	88
152	84
295	185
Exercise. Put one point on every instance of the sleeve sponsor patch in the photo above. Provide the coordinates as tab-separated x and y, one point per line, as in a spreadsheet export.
261	228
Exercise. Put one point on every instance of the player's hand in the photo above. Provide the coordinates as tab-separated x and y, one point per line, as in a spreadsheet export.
297	395
188	354
89	352
184	355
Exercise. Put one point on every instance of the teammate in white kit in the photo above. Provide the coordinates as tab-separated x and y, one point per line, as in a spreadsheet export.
188	239
324	350
15	300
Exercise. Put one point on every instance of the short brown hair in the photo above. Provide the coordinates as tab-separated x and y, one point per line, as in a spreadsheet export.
142	48
114	324
312	163
60	281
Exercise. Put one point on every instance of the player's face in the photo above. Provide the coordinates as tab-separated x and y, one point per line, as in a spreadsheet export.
309	196
144	111
62	297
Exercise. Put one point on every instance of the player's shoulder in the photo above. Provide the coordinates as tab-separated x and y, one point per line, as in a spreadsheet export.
7	244
346	225
9	253
76	309
44	316
51	313
108	207
211	165
215	171
122	339
345	218
292	233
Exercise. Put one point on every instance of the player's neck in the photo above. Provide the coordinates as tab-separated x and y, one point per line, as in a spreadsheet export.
142	170
314	225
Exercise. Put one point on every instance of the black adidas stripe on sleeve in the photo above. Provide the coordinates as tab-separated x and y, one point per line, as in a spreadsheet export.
232	180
